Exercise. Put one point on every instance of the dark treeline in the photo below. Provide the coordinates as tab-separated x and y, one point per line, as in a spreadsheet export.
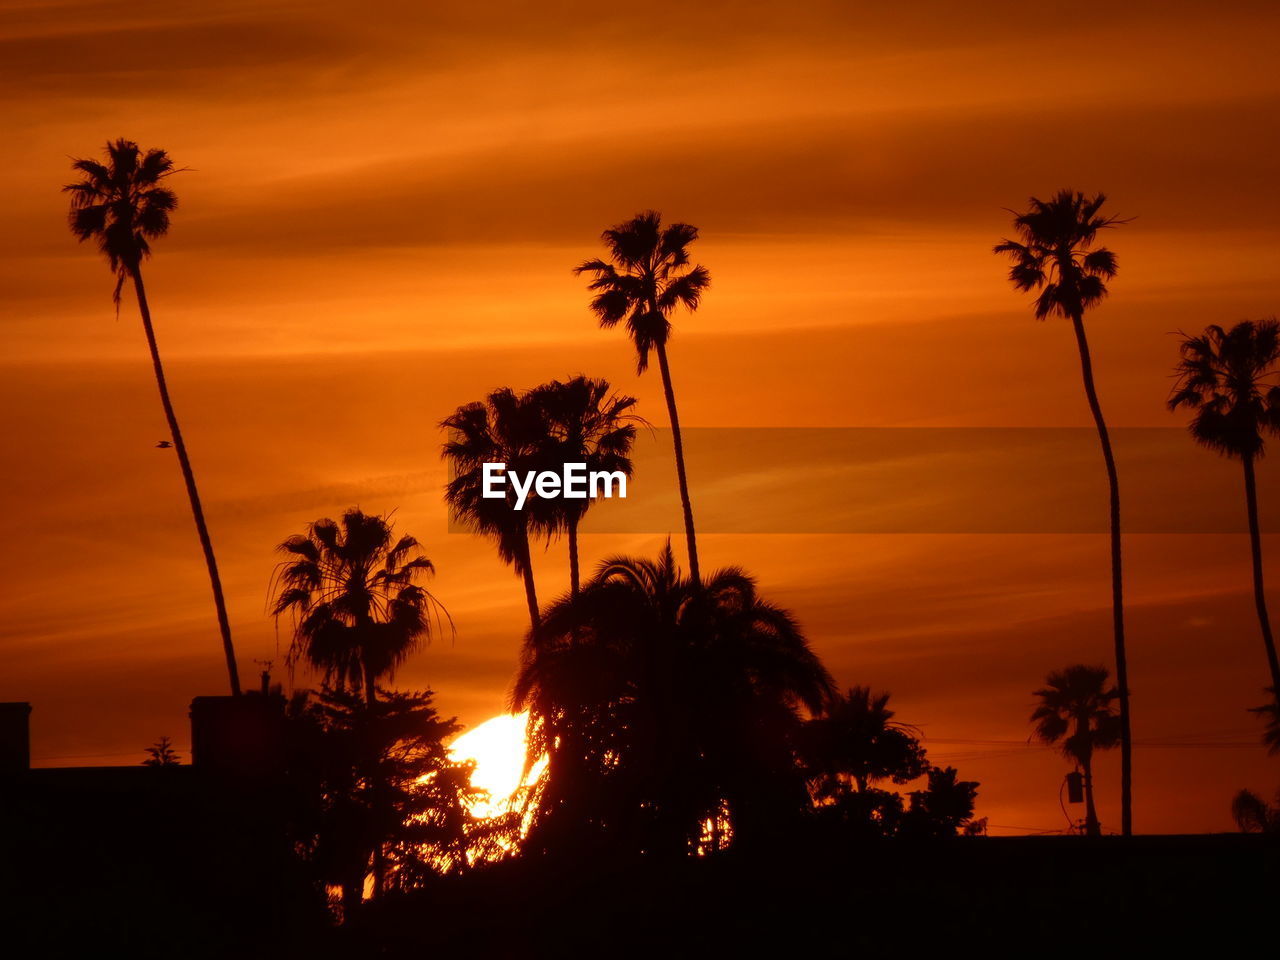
678	718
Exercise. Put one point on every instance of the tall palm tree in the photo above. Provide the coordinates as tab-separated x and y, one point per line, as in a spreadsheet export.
353	589
1075	714
124	204
663	704
649	277
505	427
1231	379
1055	255
587	424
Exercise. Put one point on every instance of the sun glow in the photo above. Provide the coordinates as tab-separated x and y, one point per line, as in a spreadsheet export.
497	747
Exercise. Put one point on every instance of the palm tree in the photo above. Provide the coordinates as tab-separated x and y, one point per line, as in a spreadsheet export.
1270	713
1229	378
1075	714
504	428
1252	814
1055	255
358	614
124	204
665	705
857	739
586	424
851	748
359	610
649	277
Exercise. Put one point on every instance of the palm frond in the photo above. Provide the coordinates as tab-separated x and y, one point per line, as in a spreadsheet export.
1055	256
646	278
352	589
121	205
1226	378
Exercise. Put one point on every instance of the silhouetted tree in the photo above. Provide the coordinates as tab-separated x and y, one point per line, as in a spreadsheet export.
648	277
1055	255
584	423
943	808
856	745
665	706
857	741
358	608
161	754
848	750
124	205
358	612
1252	814
1270	713
1075	714
367	778
1229	378
505	428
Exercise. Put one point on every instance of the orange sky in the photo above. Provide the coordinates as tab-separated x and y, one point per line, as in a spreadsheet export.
379	222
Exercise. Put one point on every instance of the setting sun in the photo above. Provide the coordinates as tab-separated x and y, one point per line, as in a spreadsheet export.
497	748
832	436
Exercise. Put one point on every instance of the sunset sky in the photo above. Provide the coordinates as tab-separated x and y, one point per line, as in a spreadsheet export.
382	207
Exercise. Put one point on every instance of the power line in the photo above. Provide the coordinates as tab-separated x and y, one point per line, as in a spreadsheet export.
1193	741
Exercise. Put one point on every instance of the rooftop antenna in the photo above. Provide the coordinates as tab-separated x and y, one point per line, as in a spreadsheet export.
266	675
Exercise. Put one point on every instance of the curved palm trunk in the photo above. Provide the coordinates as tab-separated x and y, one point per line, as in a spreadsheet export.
667	389
1259	596
197	511
1117	581
530	589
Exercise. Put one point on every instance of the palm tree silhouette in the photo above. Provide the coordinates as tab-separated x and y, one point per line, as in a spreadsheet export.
124	204
359	613
359	610
1075	714
1270	713
1229	378
851	748
648	278
1055	255
1252	814
504	428
584	423
662	704
857	739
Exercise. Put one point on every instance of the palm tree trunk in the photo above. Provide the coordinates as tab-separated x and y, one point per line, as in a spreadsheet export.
1259	596
530	589
1091	826
1117	581
667	389
197	511
573	556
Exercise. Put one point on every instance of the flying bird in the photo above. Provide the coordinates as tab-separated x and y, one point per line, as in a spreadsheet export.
163	444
